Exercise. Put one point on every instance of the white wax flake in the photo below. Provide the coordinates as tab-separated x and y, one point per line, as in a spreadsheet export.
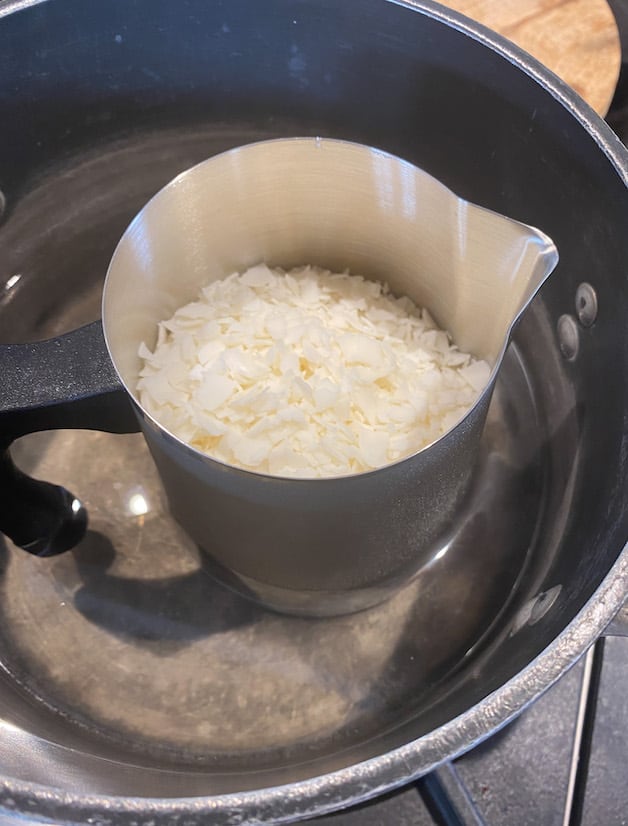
476	373
306	374
259	276
326	394
213	391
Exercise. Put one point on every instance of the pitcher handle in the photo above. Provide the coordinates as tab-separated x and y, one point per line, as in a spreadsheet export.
64	382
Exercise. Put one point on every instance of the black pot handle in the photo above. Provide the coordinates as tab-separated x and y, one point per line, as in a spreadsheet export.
65	382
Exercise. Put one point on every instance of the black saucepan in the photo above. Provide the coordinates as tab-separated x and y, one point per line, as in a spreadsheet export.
123	698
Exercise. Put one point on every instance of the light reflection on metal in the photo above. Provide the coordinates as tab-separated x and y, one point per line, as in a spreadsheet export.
12	281
6	727
441	551
138	506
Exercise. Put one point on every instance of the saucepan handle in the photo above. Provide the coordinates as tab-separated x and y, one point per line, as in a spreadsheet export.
65	382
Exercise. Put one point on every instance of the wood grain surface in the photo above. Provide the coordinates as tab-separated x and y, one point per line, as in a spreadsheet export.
576	39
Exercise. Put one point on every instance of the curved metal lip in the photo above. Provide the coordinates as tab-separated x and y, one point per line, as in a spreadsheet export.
361	781
549	249
10	6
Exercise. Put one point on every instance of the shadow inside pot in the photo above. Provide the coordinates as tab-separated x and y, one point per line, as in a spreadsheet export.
163	613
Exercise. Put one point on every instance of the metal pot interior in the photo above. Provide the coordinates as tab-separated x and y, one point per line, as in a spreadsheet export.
125	670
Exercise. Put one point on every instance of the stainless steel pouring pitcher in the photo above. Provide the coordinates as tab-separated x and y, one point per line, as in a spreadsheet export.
307	546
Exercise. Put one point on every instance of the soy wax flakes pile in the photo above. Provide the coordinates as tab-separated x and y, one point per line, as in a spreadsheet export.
306	373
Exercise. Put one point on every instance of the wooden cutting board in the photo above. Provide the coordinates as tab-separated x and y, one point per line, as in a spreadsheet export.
576	39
